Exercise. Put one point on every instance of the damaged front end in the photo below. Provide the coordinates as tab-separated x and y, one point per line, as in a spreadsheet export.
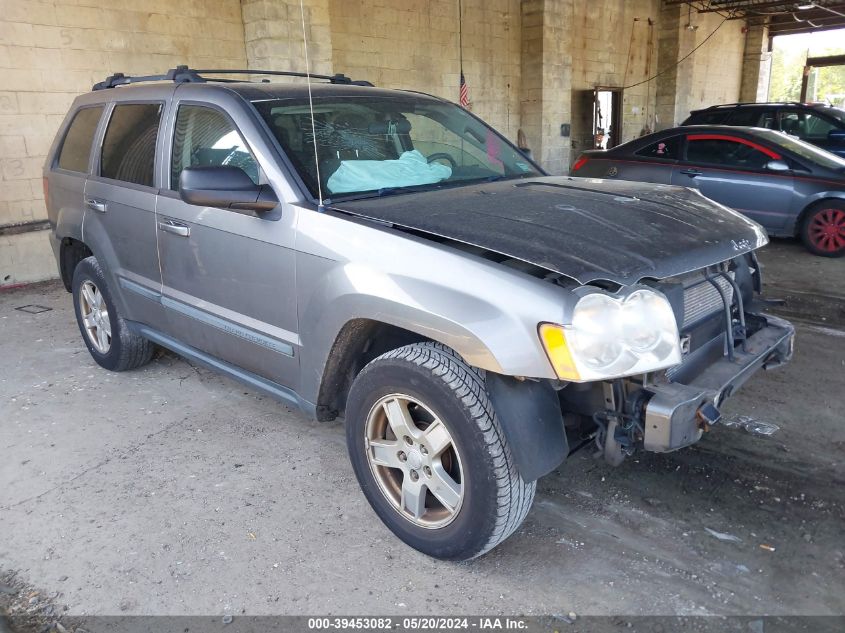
725	338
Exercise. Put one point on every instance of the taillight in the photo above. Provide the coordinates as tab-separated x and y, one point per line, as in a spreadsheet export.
46	191
580	163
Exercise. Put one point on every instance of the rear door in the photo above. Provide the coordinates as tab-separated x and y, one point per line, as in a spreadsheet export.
228	277
120	201
69	171
732	171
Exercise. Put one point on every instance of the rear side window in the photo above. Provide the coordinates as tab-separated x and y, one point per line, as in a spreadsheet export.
206	137
130	143
706	117
667	149
76	148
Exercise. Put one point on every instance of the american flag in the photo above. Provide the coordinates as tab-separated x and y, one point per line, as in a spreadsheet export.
464	93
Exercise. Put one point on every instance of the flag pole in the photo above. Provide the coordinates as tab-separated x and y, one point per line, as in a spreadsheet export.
461	37
463	89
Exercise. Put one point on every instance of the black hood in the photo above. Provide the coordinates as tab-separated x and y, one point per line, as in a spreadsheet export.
588	230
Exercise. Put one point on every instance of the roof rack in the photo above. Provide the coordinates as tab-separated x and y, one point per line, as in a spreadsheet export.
183	74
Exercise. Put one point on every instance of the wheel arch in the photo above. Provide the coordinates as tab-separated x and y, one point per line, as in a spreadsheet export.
71	252
529	411
357	343
821	199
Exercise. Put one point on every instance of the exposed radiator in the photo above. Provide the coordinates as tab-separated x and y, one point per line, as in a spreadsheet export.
702	299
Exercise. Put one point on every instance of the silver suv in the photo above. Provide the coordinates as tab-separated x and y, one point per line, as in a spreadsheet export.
387	257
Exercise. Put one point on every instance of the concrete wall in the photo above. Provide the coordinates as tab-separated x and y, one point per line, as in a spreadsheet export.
530	65
413	44
50	52
273	35
614	44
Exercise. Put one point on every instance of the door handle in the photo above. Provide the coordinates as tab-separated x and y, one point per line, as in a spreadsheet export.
692	173
176	228
95	205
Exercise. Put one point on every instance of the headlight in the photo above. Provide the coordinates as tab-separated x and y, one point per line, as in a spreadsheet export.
614	336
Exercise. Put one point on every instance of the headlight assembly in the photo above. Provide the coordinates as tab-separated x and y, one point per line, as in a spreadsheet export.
613	336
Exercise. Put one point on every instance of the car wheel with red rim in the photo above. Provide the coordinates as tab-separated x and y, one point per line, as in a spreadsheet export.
823	231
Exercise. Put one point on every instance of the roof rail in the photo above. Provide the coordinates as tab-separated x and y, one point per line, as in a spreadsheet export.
742	103
183	74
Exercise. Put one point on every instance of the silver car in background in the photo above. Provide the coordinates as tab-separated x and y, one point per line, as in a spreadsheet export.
387	257
792	188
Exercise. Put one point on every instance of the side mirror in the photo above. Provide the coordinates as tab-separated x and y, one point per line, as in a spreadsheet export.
777	165
836	135
224	187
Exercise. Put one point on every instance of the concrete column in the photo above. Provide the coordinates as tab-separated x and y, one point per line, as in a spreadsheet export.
546	80
674	81
756	64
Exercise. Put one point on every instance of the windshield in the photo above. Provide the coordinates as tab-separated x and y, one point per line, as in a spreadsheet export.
386	144
803	149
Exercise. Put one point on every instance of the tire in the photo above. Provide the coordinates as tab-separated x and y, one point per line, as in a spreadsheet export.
103	329
474	497
823	229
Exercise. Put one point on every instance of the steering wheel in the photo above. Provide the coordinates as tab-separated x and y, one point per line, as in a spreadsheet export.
443	156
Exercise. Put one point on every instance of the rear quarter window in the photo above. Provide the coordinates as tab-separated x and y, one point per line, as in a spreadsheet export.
76	146
666	149
706	118
129	146
748	117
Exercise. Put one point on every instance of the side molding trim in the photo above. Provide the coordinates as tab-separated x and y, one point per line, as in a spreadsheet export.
225	325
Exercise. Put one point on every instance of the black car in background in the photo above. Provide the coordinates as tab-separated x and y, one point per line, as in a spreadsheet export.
819	124
790	187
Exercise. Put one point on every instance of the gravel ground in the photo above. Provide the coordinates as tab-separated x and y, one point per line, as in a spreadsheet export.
172	490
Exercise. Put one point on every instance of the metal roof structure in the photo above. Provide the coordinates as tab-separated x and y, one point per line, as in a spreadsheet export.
783	18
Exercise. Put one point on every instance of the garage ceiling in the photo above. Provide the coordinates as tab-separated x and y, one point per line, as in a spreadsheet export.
783	17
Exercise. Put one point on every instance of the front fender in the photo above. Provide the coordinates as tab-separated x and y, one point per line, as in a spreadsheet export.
349	270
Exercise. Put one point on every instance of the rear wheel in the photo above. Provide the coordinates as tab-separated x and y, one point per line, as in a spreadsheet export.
103	329
823	230
430	455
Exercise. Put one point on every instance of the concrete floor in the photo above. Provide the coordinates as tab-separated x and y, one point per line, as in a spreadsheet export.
171	490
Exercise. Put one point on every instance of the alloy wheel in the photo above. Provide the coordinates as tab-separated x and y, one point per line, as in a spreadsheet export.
414	461
95	316
827	230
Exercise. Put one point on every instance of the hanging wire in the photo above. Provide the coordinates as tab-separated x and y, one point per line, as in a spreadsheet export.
311	105
680	61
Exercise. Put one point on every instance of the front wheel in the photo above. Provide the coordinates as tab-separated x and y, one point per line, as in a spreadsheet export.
823	230
430	454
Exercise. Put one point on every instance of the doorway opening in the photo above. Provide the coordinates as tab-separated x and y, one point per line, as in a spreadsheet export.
607	117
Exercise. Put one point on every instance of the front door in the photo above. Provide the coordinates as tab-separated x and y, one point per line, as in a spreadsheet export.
228	277
813	128
733	171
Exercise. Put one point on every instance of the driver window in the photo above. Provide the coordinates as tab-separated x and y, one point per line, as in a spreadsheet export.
438	144
716	151
805	125
206	137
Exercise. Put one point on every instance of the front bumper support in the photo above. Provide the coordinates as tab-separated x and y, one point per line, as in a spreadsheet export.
673	415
